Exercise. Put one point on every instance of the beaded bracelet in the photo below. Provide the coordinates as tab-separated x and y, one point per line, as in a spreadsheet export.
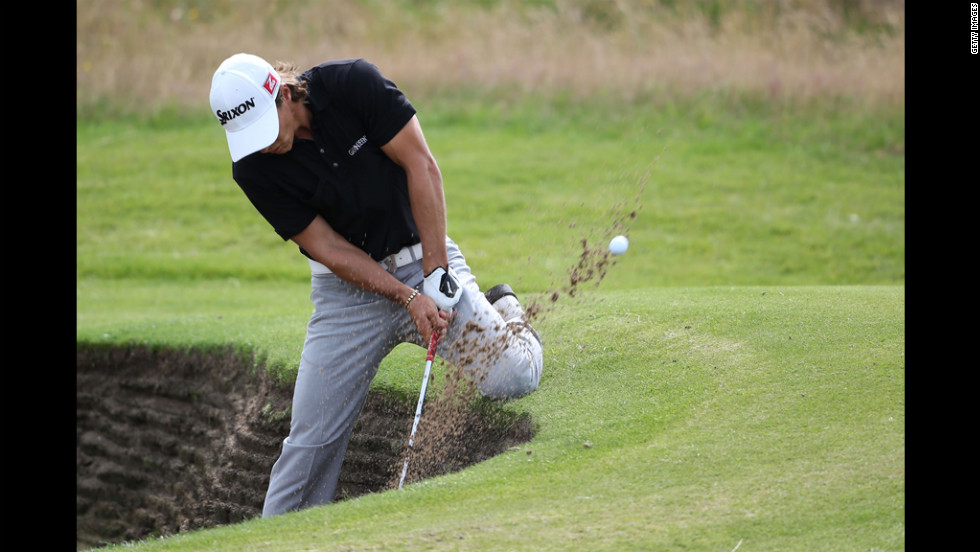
415	292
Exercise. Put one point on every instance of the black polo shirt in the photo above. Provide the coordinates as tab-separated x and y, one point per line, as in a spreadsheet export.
341	174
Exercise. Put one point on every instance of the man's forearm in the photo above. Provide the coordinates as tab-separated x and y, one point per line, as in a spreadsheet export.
429	210
409	150
361	270
348	262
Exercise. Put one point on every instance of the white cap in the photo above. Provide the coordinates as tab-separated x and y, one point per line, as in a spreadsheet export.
243	98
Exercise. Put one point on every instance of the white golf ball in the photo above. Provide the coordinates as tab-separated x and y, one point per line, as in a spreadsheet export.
619	245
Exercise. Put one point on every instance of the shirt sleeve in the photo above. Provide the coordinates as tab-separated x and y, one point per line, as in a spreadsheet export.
287	214
382	106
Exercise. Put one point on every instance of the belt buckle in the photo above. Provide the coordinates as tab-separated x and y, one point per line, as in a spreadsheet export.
389	263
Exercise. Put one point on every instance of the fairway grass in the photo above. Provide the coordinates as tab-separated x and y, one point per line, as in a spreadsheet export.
720	197
668	419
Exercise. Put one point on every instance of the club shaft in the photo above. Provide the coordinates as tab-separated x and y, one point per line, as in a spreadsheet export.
430	355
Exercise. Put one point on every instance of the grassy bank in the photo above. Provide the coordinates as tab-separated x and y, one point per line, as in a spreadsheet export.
670	419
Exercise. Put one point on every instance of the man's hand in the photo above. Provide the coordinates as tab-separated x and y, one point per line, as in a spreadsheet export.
427	317
442	286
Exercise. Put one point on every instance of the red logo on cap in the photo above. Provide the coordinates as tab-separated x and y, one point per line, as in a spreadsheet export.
270	83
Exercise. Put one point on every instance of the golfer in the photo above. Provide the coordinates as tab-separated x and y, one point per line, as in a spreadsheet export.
334	159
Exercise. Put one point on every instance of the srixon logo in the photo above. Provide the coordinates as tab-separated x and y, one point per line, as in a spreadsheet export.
240	109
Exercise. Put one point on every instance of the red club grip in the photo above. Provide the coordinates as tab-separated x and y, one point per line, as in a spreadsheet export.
433	341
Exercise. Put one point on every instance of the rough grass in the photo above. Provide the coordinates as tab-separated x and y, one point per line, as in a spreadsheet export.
141	56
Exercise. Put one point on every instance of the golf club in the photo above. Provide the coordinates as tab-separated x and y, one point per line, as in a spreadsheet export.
433	341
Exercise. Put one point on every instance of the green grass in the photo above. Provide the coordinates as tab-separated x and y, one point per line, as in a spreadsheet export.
722	198
769	415
738	375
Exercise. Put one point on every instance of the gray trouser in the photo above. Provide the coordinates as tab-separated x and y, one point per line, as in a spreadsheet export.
350	333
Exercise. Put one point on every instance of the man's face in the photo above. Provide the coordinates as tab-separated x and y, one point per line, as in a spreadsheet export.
287	126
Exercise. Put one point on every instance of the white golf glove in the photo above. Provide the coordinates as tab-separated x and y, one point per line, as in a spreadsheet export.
443	287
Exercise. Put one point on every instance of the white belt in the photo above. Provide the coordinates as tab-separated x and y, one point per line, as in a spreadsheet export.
390	263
